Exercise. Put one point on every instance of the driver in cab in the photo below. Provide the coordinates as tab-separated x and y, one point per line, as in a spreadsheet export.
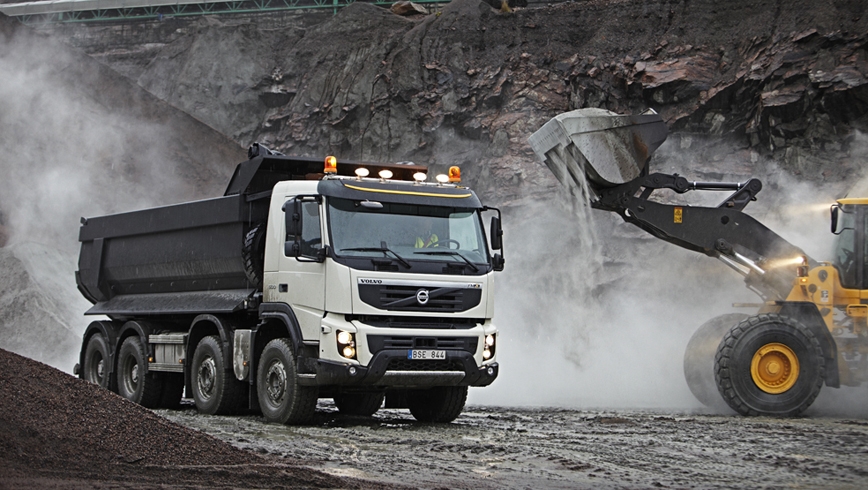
425	236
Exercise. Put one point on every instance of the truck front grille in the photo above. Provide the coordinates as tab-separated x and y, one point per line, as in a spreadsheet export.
407	298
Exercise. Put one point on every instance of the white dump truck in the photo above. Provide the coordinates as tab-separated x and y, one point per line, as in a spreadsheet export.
365	283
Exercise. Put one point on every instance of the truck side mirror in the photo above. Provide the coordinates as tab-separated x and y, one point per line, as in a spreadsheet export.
835	209
497	262
496	233
292	216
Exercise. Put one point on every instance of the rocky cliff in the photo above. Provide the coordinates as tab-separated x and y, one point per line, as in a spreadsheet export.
739	83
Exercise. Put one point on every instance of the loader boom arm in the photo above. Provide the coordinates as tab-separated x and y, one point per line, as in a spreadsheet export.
767	260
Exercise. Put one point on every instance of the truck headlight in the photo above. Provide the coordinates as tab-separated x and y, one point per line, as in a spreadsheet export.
346	343
488	349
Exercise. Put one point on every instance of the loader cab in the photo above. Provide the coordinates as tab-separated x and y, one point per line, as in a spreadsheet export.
849	224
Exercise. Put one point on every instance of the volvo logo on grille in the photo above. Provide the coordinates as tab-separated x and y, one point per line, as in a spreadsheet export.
422	296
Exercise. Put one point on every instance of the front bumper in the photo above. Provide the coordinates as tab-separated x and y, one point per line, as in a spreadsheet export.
391	368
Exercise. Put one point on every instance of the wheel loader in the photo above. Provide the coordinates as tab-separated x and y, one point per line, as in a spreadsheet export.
811	327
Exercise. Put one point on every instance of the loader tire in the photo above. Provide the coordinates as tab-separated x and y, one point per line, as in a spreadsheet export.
133	383
699	359
97	361
215	389
441	404
281	398
769	365
361	404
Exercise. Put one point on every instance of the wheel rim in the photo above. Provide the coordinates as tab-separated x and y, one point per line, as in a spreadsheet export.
131	378
97	369
206	377
275	382
774	368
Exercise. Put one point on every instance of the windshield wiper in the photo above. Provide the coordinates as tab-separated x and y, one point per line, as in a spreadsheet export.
384	250
448	252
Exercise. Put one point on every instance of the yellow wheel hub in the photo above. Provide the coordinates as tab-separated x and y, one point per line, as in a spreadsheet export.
774	368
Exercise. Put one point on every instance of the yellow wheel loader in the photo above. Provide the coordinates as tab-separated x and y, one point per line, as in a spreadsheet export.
811	327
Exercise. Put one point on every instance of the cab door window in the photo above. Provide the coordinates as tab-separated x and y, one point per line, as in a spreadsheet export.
311	234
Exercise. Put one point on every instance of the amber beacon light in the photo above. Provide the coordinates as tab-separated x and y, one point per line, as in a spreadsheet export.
454	174
331	165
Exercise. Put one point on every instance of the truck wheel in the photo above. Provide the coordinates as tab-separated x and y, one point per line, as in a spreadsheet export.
362	404
281	399
133	383
769	365
96	361
173	390
215	389
699	359
440	404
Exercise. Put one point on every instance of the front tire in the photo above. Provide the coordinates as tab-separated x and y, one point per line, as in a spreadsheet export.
97	361
280	397
215	389
441	404
769	365
360	404
133	383
699	359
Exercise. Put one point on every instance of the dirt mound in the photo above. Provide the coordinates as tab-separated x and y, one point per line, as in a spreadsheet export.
57	430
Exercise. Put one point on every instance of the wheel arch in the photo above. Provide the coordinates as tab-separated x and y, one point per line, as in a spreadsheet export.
109	330
203	326
140	328
808	315
278	320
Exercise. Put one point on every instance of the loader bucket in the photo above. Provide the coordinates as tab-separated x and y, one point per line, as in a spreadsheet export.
608	149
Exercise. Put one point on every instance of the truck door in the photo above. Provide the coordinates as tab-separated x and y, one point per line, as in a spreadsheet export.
301	274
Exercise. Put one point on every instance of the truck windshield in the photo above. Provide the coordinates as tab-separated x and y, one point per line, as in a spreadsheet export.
406	232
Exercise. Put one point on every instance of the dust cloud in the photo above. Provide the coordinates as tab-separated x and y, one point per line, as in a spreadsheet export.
66	153
604	324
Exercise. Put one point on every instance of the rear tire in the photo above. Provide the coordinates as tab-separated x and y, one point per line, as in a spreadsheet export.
215	389
769	365
281	399
441	404
133	383
699	359
97	361
361	404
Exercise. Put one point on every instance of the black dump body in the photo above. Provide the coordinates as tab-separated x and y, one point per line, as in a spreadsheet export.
190	258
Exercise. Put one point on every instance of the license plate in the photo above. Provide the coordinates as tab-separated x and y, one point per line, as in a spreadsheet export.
426	354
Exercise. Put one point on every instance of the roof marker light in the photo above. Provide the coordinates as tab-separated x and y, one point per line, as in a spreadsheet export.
442	178
361	173
454	174
385	174
331	165
420	176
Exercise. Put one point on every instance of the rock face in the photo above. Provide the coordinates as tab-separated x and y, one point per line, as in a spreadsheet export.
467	84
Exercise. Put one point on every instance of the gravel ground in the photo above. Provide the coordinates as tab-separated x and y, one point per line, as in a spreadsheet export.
57	431
509	448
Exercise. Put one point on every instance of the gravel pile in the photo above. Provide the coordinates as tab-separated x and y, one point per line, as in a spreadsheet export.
61	432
